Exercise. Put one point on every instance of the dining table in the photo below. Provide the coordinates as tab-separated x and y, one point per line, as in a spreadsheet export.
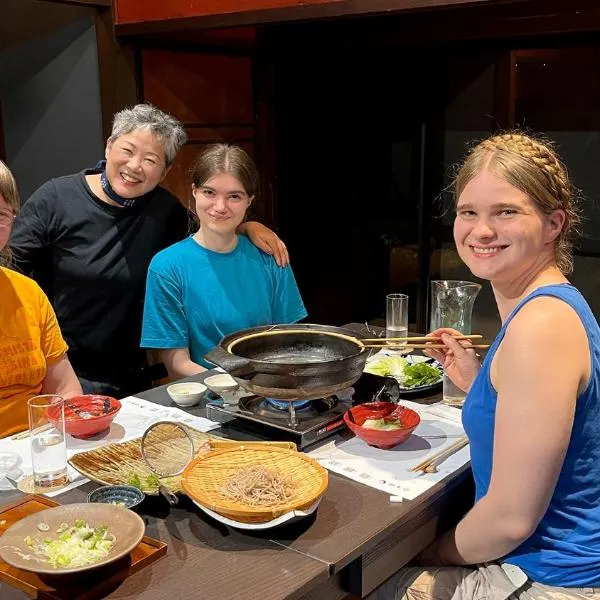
352	544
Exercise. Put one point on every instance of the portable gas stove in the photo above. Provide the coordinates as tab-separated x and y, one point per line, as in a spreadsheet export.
303	422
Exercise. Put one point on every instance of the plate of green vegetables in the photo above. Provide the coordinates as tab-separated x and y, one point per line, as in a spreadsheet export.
414	373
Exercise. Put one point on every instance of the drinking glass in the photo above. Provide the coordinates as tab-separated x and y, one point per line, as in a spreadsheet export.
396	315
452	306
48	443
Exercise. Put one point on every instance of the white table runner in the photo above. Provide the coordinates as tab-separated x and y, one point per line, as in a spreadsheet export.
135	416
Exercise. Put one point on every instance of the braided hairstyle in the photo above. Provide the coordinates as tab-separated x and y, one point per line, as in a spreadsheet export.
533	167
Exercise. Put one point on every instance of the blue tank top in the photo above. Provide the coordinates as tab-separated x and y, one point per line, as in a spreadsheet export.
564	550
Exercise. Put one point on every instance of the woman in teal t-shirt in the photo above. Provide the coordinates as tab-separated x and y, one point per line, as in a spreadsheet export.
532	412
215	282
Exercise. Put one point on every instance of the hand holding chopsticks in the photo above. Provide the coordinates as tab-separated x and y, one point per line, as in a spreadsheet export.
431	464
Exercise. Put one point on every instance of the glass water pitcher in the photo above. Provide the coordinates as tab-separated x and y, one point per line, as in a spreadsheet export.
452	306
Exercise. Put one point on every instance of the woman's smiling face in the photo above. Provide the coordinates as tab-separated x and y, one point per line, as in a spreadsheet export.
135	163
221	203
499	233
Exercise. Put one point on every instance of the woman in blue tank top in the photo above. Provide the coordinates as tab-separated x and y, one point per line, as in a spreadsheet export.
532	413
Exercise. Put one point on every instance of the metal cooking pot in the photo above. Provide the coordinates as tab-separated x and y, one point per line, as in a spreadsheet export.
292	362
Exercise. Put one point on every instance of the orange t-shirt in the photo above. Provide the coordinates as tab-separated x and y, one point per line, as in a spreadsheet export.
30	340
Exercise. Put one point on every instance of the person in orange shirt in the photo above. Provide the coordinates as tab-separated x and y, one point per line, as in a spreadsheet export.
33	354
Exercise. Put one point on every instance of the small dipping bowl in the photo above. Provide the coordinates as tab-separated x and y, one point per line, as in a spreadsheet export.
123	495
222	382
186	394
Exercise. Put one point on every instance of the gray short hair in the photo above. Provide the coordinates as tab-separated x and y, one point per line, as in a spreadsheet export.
147	117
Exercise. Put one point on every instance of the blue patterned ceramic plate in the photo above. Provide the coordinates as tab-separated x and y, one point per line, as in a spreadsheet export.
121	495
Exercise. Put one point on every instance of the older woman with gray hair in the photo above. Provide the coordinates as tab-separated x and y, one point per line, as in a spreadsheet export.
88	238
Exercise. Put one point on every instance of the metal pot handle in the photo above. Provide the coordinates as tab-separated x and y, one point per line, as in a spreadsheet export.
233	364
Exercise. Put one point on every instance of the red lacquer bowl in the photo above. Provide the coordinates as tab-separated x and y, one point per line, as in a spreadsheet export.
89	414
376	410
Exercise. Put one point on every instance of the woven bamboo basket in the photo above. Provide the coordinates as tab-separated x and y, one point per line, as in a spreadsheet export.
204	478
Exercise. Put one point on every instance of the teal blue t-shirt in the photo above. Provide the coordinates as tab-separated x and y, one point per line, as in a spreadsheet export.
195	296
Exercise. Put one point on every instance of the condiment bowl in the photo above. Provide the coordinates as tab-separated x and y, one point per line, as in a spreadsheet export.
186	394
222	382
356	416
122	495
88	414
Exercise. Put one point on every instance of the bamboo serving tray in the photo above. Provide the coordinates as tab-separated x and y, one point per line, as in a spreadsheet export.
92	584
204	478
116	463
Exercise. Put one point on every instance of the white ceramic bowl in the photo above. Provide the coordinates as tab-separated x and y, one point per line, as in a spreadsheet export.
222	382
186	394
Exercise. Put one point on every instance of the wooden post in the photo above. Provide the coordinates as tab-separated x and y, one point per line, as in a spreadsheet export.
117	69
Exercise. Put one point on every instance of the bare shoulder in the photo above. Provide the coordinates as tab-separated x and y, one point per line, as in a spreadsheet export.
546	335
546	318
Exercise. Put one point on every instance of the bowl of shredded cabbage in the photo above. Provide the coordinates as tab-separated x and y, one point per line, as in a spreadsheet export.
71	538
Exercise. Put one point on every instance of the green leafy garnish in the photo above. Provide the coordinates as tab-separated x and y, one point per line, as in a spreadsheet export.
76	546
388	366
152	480
420	374
134	480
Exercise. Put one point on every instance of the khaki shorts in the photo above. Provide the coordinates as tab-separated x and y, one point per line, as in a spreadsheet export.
490	581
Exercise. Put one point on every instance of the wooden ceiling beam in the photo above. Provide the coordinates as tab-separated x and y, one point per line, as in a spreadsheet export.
88	3
153	16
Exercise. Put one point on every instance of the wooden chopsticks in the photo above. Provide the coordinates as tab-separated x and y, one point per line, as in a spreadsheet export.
430	465
423	338
408	341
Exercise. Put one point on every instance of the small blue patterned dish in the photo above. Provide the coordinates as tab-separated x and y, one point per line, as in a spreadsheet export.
122	495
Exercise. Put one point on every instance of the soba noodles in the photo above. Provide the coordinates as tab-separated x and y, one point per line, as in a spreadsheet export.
259	486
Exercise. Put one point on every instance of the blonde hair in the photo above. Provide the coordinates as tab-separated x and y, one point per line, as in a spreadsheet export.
10	193
532	166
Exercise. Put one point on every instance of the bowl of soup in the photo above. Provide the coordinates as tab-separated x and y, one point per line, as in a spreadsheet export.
382	424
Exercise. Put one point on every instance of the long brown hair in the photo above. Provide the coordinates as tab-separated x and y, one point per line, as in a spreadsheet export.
226	158
532	166
10	193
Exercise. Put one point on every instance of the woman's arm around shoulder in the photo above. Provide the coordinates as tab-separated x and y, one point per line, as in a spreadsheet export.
266	240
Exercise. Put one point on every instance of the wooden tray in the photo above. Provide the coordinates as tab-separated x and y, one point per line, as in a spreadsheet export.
115	463
90	585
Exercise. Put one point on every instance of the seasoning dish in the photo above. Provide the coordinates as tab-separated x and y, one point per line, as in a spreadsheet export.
186	394
122	495
223	382
381	438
